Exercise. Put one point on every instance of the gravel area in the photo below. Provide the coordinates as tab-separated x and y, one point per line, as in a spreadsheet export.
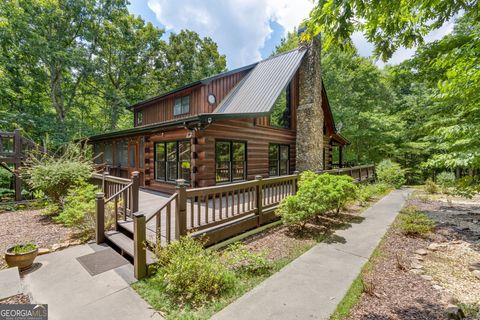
30	226
18	299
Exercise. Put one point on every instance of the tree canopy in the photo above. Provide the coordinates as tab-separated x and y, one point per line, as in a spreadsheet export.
70	68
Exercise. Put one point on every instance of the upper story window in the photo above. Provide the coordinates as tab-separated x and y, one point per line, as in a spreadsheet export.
281	113
139	118
181	105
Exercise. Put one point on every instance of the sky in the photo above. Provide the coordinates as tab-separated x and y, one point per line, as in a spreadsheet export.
247	31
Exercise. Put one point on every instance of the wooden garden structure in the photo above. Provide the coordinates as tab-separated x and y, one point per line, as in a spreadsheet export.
13	148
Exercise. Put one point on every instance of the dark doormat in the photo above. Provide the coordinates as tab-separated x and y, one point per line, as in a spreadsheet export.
101	261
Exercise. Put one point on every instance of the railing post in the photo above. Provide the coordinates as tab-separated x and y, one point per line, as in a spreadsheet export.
17	144
100	218
181	207
295	185
139	239
135	190
259	199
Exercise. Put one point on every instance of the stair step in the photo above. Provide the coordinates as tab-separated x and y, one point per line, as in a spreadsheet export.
126	244
128	226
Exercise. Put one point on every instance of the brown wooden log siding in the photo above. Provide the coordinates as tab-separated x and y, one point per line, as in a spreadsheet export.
162	110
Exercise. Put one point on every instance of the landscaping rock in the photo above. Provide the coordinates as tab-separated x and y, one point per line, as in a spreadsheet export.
56	246
421	252
437	287
426	277
43	251
453	312
476	273
433	246
417	271
416	266
474	266
418	257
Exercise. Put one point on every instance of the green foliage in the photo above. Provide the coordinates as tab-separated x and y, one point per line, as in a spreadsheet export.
23	248
366	192
446	179
415	223
5	179
79	210
431	187
467	187
191	274
55	174
391	173
239	258
317	194
388	25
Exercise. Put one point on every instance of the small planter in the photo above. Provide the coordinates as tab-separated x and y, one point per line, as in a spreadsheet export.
21	256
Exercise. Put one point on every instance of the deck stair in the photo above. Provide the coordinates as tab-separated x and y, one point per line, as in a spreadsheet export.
126	245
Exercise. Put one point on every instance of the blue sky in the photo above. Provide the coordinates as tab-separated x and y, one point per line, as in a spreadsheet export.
246	30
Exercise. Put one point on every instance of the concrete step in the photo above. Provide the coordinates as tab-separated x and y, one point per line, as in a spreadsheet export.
125	243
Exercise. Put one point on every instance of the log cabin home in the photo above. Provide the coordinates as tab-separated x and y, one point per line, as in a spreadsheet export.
269	118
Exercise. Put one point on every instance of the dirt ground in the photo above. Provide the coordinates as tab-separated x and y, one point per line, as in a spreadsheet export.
30	226
409	285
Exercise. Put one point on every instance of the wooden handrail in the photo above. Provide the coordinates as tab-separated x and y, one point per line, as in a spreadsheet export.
173	197
110	178
118	192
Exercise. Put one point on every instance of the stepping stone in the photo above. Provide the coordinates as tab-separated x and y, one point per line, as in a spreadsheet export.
10	280
421	252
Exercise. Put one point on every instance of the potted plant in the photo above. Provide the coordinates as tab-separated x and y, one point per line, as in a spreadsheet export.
21	255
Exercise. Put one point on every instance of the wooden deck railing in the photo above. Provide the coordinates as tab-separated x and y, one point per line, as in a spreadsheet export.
217	212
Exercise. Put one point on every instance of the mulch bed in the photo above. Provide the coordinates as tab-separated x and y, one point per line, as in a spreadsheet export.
401	294
18	299
26	226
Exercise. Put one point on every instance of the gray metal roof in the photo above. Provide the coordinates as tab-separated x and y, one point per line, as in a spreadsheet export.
260	88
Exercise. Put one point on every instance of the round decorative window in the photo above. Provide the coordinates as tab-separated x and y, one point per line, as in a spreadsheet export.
211	98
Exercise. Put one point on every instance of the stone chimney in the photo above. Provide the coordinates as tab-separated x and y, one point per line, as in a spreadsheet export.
310	113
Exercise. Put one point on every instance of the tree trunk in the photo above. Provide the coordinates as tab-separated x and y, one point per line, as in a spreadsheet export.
56	94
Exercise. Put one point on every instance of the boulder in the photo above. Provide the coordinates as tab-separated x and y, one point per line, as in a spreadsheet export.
453	312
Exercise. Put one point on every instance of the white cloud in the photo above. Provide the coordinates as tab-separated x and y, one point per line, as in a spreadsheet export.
240	27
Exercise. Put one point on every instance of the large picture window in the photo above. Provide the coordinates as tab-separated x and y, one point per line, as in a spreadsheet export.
230	161
172	160
181	105
281	112
278	159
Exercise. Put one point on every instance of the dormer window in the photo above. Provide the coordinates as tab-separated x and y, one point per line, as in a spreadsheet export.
181	105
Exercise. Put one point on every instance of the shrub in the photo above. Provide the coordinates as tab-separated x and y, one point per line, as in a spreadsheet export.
54	175
23	248
238	258
5	179
317	194
446	179
366	192
430	186
467	187
391	173
79	210
191	274
415	223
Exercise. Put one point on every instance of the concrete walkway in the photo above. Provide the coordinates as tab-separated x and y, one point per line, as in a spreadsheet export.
72	293
311	286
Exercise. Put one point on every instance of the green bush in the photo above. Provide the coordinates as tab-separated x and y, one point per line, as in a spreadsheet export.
391	173
79	209
23	248
415	223
430	186
190	274
467	187
366	192
238	258
5	179
317	194
54	175
446	180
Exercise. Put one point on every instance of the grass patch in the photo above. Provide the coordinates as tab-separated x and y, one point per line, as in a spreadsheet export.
354	293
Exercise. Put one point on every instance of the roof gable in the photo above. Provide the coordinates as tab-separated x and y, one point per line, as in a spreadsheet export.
258	90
